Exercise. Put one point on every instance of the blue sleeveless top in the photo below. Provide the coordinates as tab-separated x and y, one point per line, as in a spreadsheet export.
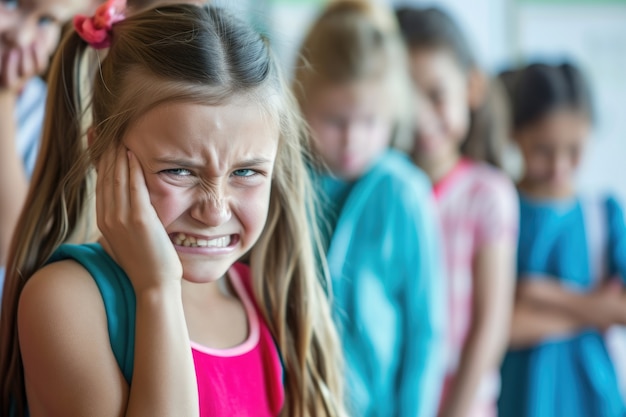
118	296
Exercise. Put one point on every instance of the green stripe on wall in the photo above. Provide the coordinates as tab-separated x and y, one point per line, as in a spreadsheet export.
574	2
296	2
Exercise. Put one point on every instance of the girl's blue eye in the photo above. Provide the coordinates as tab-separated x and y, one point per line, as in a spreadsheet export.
180	172
45	20
9	4
244	173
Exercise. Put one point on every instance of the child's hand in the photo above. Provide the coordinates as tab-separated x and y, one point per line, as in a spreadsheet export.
21	60
18	65
608	305
130	225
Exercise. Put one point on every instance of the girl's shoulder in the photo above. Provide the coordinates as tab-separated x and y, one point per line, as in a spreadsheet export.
479	184
395	172
56	300
62	327
60	278
55	279
490	177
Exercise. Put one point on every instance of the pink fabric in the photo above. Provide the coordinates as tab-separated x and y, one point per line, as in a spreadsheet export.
477	205
246	380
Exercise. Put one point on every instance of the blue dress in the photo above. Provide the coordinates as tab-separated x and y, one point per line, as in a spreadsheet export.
569	376
385	262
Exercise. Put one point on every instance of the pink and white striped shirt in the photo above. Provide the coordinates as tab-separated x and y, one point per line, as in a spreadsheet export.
477	205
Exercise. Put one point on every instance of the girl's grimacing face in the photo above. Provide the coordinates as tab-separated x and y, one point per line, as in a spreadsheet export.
351	125
208	170
552	148
441	87
26	22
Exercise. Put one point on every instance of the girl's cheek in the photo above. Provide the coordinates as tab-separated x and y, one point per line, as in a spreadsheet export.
167	200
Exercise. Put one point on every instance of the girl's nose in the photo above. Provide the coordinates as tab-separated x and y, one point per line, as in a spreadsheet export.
213	210
350	135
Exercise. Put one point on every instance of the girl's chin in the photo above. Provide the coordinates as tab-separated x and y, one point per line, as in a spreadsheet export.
199	274
428	148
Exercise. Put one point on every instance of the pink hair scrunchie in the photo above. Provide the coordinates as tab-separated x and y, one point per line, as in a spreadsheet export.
96	30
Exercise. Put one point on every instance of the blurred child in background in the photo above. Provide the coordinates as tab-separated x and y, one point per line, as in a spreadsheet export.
568	248
29	34
382	243
458	144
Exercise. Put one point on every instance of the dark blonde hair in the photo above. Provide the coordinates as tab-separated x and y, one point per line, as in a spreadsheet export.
351	41
433	28
193	54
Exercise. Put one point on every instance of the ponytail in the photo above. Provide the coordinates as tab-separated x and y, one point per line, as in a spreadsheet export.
54	205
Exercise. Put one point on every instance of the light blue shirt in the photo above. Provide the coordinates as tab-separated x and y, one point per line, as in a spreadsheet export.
388	287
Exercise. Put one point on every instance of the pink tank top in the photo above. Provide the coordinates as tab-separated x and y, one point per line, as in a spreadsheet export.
244	381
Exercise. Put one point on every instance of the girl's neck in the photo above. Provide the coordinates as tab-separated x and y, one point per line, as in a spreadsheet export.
544	191
438	167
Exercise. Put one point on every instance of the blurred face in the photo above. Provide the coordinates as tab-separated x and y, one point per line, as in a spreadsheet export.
208	170
443	102
30	30
552	148
351	125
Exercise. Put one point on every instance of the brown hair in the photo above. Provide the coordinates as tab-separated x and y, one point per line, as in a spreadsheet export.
433	28
537	89
351	41
193	54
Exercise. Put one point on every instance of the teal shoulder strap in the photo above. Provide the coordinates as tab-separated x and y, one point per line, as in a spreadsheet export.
118	296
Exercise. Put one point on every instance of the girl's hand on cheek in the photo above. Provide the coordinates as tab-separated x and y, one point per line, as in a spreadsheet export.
9	71
130	225
19	65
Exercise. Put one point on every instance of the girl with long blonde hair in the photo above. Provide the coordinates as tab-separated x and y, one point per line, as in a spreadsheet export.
377	211
198	151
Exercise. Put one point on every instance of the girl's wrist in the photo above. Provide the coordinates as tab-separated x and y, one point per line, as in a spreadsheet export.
8	99
159	292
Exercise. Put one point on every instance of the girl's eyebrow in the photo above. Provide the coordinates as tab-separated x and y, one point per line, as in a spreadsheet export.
254	162
187	163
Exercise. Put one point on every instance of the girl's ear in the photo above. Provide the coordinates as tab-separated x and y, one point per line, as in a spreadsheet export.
477	85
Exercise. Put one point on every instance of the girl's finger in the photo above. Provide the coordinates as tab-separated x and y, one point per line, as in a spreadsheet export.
121	183
27	64
40	57
105	197
139	196
9	69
